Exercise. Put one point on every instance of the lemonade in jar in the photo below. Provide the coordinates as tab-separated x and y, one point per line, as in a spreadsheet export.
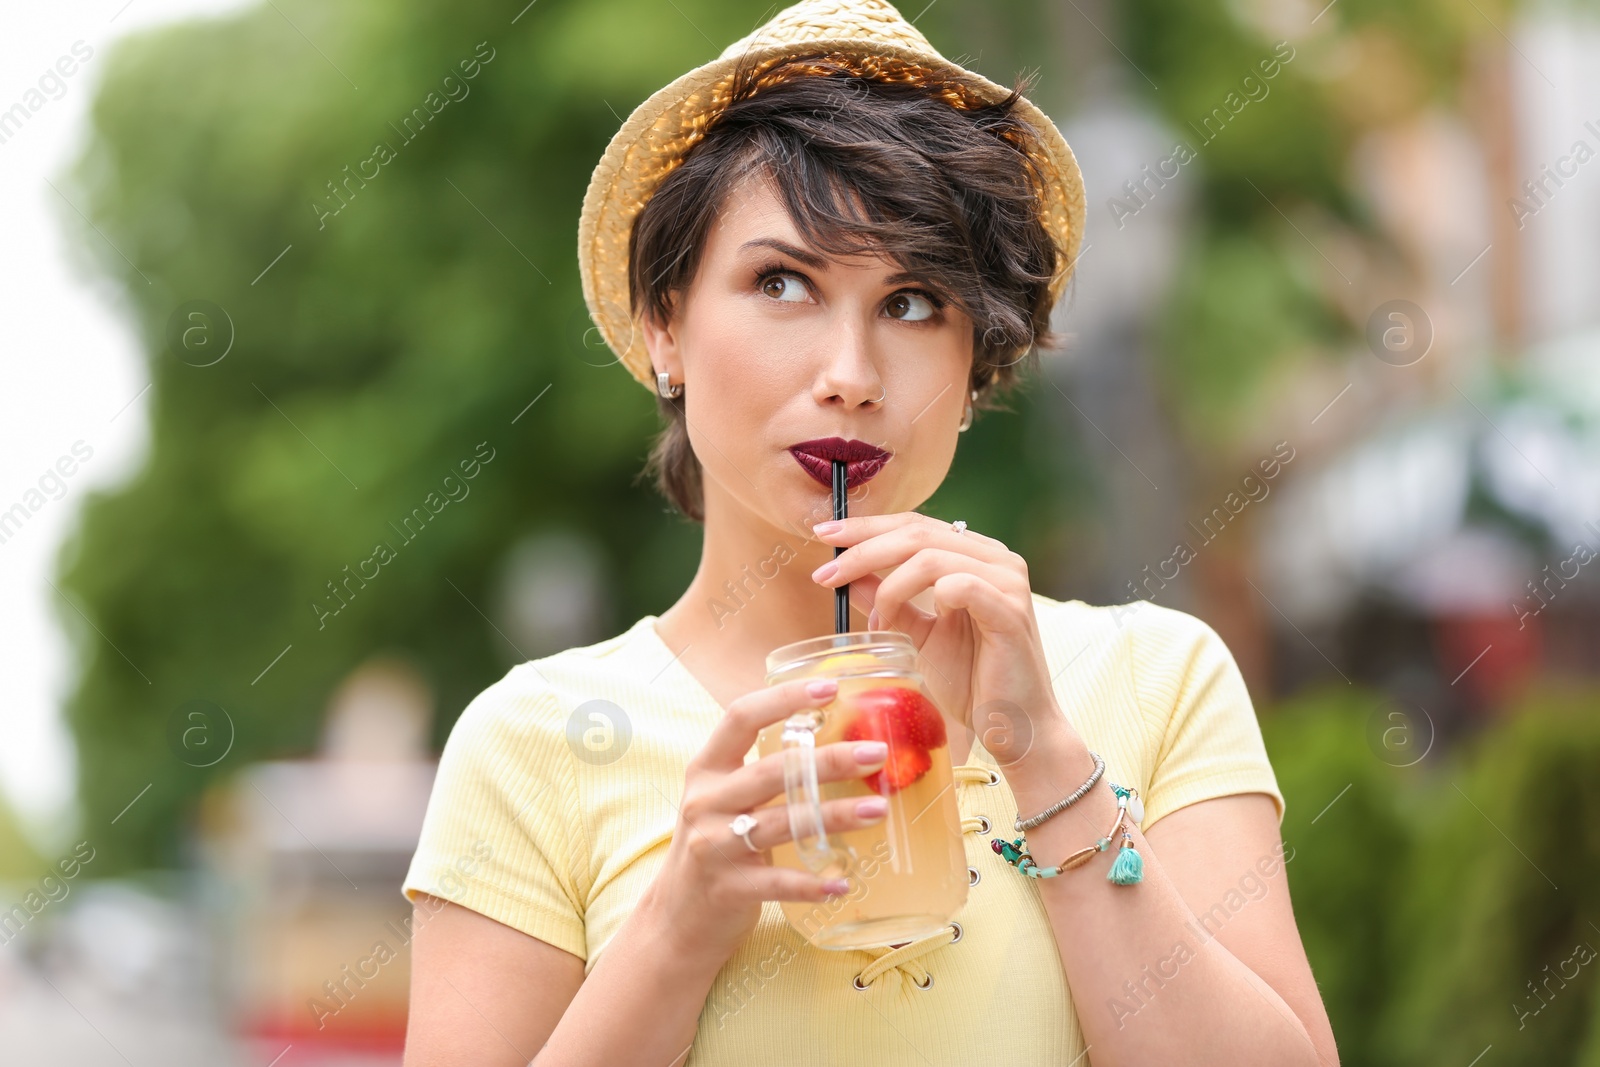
907	873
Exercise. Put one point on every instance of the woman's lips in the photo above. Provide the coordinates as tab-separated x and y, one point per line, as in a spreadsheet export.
857	472
862	470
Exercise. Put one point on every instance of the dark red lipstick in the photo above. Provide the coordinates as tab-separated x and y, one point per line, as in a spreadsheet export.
862	461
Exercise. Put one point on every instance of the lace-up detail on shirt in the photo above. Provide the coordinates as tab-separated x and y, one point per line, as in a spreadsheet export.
906	958
974	774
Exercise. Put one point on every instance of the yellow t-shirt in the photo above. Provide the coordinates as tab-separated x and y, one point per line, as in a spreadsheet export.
549	820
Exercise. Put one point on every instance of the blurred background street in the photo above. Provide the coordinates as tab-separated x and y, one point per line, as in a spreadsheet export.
276	275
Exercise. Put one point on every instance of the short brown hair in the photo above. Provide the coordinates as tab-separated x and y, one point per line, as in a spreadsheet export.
920	171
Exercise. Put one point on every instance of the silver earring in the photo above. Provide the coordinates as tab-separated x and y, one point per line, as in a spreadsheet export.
966	418
665	388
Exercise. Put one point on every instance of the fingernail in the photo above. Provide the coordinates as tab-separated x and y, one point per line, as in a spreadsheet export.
822	687
835	887
871	752
823	529
824	572
872	807
872	619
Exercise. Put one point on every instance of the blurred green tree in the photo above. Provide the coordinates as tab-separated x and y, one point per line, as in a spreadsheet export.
1451	904
1271	123
1349	836
1499	909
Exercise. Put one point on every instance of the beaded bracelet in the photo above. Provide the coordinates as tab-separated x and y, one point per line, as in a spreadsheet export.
1127	869
1067	801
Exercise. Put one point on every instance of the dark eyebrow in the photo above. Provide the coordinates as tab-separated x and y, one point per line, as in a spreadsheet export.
816	262
810	259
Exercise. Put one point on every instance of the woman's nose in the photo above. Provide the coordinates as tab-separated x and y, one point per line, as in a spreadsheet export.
851	372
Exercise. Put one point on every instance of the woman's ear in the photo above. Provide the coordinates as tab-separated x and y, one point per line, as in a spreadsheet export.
661	342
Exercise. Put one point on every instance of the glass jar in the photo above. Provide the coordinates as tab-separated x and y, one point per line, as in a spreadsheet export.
908	872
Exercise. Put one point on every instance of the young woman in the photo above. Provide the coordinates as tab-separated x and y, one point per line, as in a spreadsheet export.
833	242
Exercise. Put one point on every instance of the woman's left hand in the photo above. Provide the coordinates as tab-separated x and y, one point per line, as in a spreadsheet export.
984	662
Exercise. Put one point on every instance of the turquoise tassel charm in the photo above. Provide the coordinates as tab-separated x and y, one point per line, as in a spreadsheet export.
1128	868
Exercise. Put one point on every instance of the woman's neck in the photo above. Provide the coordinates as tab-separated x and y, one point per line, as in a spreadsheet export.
752	593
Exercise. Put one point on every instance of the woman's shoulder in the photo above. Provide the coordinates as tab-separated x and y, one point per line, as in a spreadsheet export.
1169	674
1138	628
532	702
1161	653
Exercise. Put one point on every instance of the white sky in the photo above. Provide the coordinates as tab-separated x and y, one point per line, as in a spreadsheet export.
69	366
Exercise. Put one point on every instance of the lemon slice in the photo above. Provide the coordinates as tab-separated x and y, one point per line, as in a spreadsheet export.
849	661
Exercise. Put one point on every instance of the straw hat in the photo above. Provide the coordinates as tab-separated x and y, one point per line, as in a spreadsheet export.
872	38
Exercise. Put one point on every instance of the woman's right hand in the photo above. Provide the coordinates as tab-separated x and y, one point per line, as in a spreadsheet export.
709	891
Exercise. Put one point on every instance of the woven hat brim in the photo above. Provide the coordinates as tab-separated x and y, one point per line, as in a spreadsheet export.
636	159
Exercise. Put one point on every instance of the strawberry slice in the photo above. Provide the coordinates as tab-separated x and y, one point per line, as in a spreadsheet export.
903	767
896	713
908	723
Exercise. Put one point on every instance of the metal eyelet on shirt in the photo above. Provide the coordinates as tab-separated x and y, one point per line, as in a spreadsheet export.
994	778
973	875
857	983
959	931
924	985
987	825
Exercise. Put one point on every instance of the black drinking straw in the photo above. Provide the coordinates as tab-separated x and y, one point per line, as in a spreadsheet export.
841	595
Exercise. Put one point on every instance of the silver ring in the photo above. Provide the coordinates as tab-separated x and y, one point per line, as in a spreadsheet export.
960	526
741	825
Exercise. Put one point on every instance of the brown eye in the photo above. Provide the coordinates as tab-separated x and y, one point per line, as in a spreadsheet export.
785	287
910	307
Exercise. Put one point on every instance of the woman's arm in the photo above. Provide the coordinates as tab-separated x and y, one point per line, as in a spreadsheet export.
1201	962
481	992
484	994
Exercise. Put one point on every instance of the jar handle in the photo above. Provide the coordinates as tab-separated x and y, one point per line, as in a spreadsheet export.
804	795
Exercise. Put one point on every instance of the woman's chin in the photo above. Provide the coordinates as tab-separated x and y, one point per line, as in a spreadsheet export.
804	502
